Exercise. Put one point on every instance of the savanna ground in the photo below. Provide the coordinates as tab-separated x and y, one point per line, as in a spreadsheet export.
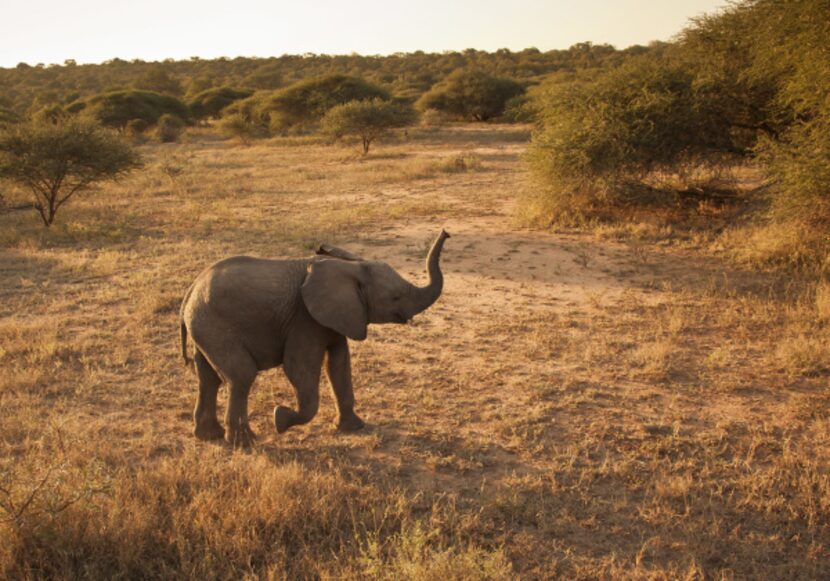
576	405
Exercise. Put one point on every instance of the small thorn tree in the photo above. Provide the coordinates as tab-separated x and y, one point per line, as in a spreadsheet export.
56	161
368	120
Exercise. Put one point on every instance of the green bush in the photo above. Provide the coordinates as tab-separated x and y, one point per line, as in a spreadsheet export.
117	108
55	161
169	128
793	51
599	135
751	83
209	104
367	120
297	107
471	95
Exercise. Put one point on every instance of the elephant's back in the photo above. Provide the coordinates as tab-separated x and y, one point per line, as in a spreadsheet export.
252	298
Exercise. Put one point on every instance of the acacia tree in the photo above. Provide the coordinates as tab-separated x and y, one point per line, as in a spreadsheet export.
366	119
56	161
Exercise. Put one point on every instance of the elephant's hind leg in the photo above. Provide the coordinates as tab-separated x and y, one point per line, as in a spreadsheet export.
240	379
238	369
206	426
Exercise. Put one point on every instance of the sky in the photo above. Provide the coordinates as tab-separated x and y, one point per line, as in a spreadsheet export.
93	31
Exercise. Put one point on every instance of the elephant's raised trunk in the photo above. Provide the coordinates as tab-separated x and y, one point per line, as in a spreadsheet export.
423	297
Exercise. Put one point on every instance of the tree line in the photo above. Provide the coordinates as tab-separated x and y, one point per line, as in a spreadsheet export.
27	88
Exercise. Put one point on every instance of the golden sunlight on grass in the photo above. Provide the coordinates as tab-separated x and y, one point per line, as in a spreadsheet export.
581	406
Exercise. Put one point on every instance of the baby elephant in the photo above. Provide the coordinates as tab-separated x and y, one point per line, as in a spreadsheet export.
249	314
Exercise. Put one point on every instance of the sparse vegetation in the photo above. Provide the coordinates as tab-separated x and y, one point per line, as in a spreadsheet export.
55	161
599	409
367	120
639	396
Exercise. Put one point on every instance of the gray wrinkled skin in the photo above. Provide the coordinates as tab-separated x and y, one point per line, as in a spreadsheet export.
246	314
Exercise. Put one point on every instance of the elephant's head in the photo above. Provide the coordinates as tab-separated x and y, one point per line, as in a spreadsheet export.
345	293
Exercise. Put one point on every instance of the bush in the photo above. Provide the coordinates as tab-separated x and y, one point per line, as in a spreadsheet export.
307	101
598	136
8	117
169	128
367	119
793	51
117	108
209	104
135	128
471	95
54	161
298	106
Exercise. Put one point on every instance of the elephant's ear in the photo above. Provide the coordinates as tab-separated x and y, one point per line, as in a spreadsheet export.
332	294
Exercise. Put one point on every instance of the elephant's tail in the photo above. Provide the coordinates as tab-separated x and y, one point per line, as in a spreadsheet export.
188	362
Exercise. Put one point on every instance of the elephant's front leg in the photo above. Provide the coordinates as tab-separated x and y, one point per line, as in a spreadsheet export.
302	363
339	370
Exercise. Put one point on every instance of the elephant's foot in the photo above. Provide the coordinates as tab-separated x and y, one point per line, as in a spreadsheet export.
284	418
240	436
209	430
350	423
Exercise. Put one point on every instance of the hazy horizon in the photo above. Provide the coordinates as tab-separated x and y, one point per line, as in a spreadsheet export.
94	31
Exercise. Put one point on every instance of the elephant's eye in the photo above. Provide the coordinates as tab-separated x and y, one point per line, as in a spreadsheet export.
396	297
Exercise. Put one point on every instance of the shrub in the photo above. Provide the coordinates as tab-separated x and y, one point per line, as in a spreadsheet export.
246	118
169	128
296	107
307	101
792	51
135	128
8	117
366	119
117	108
471	95
599	135
209	104
51	114
56	161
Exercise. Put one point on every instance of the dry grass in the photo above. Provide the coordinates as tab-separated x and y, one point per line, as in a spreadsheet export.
573	406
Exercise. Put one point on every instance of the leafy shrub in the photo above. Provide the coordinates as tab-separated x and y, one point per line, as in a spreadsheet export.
520	109
51	114
366	119
307	101
8	117
298	106
471	95
169	128
600	135
433	118
117	108
54	161
135	127
209	104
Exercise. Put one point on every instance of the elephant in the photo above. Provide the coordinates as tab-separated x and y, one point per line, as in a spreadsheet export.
247	314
